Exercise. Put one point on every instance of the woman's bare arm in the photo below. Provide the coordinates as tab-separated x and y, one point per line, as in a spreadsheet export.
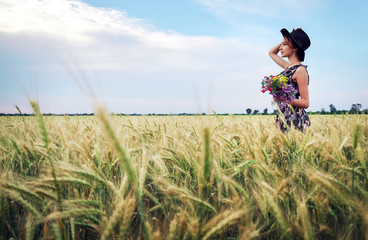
301	77
273	53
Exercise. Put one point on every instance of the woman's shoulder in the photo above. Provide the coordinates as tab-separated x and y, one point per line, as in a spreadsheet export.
301	73
301	69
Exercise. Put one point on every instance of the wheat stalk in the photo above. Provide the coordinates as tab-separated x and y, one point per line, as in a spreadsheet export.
46	141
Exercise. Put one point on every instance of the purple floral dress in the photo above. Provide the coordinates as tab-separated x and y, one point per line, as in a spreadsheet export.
297	117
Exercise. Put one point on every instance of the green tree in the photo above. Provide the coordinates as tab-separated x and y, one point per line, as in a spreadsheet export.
333	110
355	108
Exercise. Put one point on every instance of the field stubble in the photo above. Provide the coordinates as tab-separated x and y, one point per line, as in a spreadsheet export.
182	177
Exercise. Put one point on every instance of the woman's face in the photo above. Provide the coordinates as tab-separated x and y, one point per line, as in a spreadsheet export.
286	48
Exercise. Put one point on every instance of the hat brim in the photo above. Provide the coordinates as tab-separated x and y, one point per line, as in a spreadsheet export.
287	34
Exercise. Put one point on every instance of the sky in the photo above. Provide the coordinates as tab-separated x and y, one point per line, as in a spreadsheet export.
184	56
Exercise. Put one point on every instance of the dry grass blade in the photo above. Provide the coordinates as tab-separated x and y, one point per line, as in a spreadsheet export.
23	191
173	229
183	195
57	231
306	223
128	217
277	213
334	191
69	180
116	216
72	227
77	212
206	165
225	222
46	140
15	196
30	227
122	153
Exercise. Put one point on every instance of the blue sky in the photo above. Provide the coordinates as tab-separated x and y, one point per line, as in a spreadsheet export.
160	56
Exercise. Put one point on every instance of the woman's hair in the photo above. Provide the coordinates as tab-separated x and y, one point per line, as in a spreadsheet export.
299	53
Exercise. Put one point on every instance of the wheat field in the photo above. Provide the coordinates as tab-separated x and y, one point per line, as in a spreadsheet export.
182	177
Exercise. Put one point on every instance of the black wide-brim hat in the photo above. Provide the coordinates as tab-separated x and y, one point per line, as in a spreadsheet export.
299	37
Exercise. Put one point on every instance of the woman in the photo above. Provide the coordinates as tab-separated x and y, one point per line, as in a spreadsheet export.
292	47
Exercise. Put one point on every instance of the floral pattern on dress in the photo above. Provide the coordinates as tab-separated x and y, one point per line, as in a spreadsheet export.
292	116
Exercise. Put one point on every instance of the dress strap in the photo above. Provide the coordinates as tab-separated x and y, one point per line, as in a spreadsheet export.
295	67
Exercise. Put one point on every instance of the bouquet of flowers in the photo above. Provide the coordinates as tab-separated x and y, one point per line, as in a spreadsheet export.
278	87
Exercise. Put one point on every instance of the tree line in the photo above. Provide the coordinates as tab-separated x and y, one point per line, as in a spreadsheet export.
355	109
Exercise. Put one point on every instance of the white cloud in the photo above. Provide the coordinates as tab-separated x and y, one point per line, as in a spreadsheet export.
77	21
109	39
119	48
